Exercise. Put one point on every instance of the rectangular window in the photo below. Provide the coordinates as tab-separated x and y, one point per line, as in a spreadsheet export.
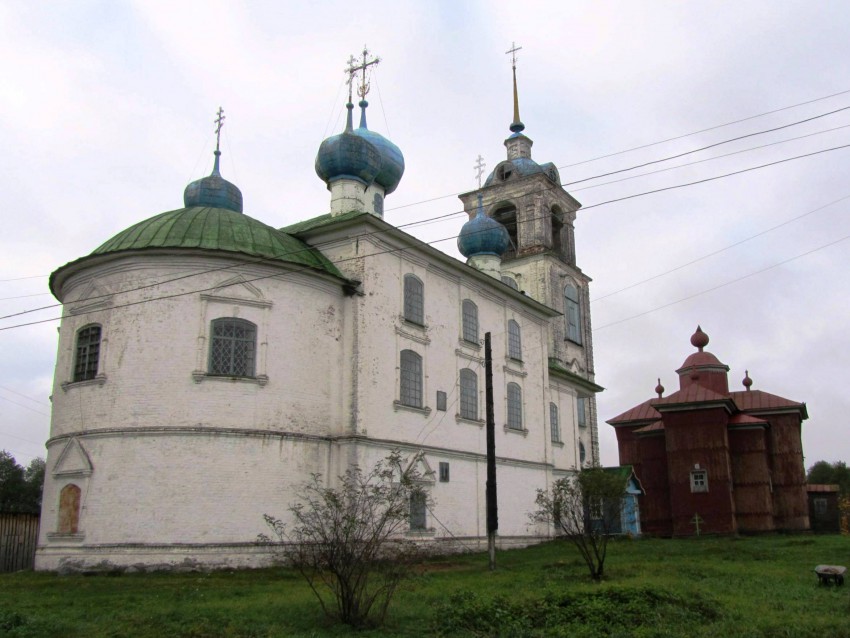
554	426
417	512
414	300
441	400
820	506
444	472
410	392
514	406
88	353
581	411
699	481
232	348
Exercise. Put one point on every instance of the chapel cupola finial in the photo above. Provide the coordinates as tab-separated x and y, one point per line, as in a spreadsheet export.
362	90
214	191
516	126
479	169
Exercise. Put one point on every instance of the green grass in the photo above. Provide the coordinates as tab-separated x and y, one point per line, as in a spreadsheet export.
760	587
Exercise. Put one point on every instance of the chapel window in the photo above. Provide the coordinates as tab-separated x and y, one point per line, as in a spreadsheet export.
233	347
514	340
69	510
554	424
699	481
414	299
468	394
444	472
514	407
582	453
410	392
87	353
470	321
573	313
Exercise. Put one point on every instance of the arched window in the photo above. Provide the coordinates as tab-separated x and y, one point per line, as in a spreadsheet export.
470	321
414	299
554	424
410	393
573	313
69	510
514	406
510	281
506	216
514	341
233	347
581	453
88	353
468	394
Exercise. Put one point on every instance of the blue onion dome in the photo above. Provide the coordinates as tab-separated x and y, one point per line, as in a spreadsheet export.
348	155
521	167
483	235
392	161
213	191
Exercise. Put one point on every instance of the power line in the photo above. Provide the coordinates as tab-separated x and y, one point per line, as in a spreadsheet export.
175	295
723	285
2	387
25	407
720	250
703	148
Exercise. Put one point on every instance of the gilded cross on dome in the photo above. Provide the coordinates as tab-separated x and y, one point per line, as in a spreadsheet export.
219	122
479	168
353	69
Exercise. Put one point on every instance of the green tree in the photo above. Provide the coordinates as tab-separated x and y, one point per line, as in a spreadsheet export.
584	509
825	473
20	488
347	541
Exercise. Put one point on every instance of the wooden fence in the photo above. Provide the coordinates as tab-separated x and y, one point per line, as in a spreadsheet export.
18	537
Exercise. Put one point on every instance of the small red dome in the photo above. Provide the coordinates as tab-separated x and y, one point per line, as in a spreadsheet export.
747	381
699	339
659	389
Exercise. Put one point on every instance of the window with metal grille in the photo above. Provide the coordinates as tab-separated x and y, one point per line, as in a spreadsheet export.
88	353
418	507
581	412
514	341
554	425
233	347
514	406
441	400
581	452
444	472
468	394
573	313
699	481
411	379
470	321
414	299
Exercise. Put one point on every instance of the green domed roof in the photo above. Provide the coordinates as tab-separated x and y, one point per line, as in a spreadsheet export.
216	229
213	229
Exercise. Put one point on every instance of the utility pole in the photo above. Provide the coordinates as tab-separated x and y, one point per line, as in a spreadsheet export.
492	503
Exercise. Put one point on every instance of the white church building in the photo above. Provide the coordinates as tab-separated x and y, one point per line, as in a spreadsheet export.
208	363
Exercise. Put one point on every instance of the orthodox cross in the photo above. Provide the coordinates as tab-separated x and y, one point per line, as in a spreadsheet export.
352	70
695	521
219	122
479	168
514	48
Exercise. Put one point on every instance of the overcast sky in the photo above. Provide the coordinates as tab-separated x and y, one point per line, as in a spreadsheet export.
106	113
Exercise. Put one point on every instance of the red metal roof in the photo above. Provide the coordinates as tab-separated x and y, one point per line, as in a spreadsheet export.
758	400
641	412
658	426
822	488
692	394
745	419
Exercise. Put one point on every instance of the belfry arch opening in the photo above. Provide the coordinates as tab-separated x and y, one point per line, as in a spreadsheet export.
558	232
505	214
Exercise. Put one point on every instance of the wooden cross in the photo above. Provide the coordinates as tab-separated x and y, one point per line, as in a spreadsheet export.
479	168
219	122
352	70
514	48
695	521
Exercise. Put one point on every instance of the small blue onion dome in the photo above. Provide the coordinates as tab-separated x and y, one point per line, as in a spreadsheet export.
213	191
392	161
348	155
483	235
